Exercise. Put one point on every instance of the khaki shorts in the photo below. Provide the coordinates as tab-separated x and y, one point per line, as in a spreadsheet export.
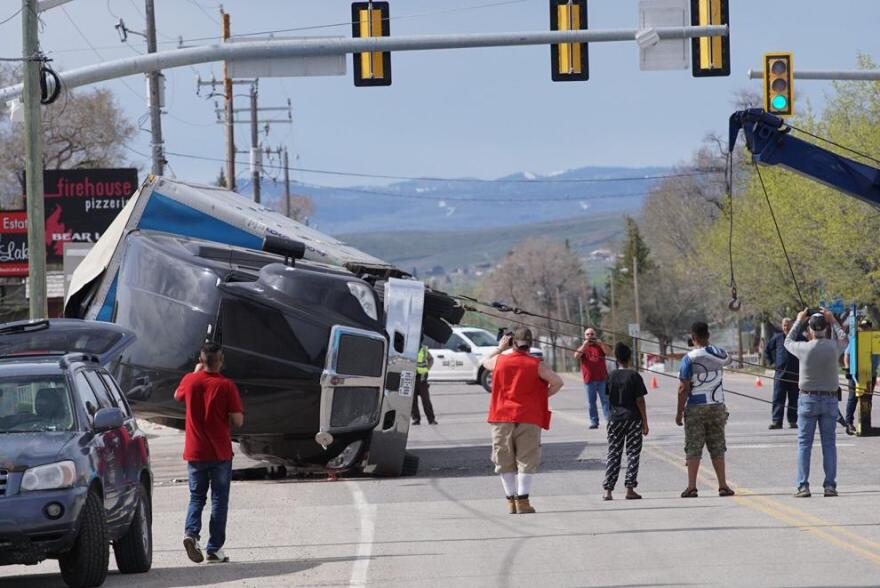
704	425
516	447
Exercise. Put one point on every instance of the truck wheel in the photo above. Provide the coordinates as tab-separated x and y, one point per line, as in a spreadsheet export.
85	565
486	380
134	550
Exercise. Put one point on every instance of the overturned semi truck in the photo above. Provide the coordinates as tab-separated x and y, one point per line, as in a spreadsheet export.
321	338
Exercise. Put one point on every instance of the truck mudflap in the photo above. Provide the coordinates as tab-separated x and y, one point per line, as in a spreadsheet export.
404	304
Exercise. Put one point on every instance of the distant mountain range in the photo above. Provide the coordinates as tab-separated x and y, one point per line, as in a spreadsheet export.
452	205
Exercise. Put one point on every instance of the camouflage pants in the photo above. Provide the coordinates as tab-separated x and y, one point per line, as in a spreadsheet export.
704	425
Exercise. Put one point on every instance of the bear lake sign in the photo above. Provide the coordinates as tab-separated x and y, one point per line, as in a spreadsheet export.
80	204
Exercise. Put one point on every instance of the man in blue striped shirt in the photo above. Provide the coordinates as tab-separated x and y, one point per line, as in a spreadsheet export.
701	408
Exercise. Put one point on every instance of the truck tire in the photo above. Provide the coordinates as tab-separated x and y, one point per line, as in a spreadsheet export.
486	380
410	465
134	550
85	565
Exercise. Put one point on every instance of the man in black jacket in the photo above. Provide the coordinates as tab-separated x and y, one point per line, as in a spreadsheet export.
785	384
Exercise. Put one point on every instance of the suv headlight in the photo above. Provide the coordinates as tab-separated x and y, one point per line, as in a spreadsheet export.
50	476
364	295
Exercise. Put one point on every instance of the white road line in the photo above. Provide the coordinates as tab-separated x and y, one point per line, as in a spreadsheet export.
367	516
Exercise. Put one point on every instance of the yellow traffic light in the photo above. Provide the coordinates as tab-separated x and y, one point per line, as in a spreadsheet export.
371	19
710	56
778	86
570	61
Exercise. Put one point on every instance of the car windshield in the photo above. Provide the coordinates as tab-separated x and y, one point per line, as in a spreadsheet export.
35	403
481	338
47	340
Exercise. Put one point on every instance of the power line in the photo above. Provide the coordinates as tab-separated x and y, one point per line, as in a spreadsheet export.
11	16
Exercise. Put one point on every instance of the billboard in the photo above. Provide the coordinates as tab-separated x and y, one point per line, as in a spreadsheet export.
80	204
13	243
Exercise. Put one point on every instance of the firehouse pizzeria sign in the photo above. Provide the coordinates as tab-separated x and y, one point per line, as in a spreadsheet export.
80	205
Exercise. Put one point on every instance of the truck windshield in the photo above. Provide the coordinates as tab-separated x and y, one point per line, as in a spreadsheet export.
481	338
40	403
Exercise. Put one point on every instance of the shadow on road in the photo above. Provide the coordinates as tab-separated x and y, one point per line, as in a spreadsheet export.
474	460
189	575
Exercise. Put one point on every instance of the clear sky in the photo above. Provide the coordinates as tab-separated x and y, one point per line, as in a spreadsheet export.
474	112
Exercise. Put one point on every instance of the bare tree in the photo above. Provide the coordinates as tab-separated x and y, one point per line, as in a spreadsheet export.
542	276
82	129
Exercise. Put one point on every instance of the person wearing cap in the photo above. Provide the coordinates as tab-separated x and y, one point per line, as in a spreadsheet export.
518	410
851	401
818	383
785	380
701	408
591	355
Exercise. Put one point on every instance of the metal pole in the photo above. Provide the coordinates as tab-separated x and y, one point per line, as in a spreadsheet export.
286	183
613	314
158	151
829	74
255	146
739	340
636	288
228	103
33	145
342	46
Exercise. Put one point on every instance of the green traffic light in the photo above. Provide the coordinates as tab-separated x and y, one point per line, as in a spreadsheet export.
779	103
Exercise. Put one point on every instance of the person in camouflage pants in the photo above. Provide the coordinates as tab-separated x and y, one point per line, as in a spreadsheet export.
701	408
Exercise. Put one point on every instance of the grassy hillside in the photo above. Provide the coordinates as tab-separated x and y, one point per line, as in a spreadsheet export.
423	250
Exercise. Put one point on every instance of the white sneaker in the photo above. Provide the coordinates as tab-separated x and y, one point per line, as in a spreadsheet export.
193	550
218	557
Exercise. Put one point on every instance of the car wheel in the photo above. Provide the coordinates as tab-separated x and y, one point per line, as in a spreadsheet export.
134	550
85	565
486	380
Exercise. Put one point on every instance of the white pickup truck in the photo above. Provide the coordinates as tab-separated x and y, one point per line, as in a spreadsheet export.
459	359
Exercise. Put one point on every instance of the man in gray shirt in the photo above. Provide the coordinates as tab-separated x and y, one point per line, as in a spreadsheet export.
818	383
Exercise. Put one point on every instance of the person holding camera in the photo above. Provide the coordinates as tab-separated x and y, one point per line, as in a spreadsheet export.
518	410
591	355
820	393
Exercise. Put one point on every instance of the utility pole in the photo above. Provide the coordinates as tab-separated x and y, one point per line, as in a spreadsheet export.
158	150
636	341
613	313
286	167
33	141
255	145
229	107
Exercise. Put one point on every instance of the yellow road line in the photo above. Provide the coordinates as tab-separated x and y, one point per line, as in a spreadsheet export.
787	514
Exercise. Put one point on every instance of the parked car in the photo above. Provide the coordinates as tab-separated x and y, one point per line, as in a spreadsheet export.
460	358
74	466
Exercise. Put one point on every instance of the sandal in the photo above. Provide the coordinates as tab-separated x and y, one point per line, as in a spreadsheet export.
689	493
726	491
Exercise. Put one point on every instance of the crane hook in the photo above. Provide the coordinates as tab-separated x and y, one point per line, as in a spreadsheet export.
734	303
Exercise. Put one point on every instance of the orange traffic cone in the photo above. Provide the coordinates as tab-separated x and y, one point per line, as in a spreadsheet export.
758	382
654	385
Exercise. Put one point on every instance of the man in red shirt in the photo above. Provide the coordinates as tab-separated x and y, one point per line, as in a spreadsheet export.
521	385
212	405
591	354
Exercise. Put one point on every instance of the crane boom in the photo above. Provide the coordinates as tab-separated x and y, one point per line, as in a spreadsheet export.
770	142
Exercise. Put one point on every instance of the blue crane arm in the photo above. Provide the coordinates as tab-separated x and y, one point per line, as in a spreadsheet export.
770	142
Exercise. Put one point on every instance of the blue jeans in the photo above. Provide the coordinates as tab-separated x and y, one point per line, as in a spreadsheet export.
217	474
813	409
594	389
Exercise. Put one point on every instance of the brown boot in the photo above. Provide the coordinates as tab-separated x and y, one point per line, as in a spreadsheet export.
523	506
511	505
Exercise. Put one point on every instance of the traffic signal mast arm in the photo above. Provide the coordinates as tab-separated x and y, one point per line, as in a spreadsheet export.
769	140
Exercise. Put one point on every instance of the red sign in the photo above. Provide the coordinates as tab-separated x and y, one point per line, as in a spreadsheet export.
13	243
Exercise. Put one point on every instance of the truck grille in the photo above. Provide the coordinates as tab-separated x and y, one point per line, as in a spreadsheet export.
4	476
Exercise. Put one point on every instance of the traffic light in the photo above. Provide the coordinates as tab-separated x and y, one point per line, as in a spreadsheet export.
778	87
710	56
371	19
570	61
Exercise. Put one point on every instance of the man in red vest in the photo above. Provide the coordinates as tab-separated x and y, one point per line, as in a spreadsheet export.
521	385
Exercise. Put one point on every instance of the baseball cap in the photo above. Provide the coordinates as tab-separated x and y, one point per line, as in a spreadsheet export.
522	337
817	322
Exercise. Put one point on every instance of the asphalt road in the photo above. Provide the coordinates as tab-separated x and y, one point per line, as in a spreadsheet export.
448	526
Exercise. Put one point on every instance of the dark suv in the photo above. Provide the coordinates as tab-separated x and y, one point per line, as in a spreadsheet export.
74	466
